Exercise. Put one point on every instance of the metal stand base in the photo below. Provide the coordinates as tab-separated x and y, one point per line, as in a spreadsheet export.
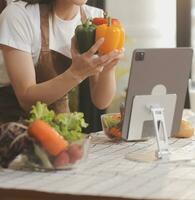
161	132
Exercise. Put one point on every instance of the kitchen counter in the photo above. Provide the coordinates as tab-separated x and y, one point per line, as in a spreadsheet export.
107	174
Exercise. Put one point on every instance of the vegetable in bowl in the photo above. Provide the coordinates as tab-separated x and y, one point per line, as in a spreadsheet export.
47	140
68	125
112	124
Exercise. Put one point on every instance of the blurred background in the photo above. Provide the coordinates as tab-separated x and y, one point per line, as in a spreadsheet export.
147	24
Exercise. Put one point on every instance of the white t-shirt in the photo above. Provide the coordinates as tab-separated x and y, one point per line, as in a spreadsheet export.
20	29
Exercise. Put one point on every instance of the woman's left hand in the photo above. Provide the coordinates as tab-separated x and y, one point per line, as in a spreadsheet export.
115	56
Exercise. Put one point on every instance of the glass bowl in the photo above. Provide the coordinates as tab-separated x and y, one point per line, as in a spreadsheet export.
77	152
112	125
37	159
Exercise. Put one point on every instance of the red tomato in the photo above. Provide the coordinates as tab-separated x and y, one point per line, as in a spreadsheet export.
75	152
62	159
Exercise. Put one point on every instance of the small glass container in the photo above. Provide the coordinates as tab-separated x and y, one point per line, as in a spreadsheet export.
112	125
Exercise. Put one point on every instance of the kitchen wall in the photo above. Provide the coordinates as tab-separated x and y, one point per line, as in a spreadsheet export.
148	23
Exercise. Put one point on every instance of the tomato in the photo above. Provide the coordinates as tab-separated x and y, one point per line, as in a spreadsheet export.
75	152
62	159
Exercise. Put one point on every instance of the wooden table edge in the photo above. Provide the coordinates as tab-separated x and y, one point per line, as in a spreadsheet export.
14	194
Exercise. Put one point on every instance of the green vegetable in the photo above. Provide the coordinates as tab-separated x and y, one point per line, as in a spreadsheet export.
40	111
110	122
85	36
69	125
43	157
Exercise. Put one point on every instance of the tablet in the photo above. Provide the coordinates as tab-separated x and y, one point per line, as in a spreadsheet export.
151	67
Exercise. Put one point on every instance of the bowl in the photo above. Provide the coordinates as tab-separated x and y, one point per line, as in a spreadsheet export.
112	125
76	153
36	158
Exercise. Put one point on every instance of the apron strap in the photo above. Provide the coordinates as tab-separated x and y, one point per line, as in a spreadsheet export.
45	12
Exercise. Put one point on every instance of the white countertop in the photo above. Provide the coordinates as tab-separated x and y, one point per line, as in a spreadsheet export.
107	173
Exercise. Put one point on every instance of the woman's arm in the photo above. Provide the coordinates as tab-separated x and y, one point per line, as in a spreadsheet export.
103	85
21	72
103	89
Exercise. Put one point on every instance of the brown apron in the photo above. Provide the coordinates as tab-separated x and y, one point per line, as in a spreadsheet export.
50	64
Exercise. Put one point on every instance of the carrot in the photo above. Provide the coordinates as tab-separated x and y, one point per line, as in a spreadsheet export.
115	132
51	141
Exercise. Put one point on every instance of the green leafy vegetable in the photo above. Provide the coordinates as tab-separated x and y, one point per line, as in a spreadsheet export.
69	125
43	157
40	111
109	121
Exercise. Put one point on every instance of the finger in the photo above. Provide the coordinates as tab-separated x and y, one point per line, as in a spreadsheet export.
122	53
94	48
117	54
101	60
122	50
120	56
100	68
111	63
74	50
96	70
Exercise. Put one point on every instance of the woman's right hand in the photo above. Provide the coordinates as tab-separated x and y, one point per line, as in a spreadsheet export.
88	63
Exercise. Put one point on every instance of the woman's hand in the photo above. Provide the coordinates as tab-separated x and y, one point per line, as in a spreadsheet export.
100	69
113	62
88	63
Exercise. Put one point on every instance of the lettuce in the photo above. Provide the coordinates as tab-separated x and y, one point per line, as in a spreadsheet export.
68	125
40	111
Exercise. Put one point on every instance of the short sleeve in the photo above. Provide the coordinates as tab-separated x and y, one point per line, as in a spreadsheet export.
15	28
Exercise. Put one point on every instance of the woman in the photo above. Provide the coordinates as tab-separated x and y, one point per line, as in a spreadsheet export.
35	37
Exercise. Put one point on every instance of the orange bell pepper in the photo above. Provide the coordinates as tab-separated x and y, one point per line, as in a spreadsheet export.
114	36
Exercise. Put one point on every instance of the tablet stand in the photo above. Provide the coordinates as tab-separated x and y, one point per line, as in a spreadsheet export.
160	130
157	107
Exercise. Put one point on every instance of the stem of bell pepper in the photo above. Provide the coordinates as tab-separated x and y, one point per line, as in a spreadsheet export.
109	21
105	15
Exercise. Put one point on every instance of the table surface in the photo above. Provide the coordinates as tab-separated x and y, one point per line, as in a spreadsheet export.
108	174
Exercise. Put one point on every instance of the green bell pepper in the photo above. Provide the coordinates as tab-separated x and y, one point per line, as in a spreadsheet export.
85	36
